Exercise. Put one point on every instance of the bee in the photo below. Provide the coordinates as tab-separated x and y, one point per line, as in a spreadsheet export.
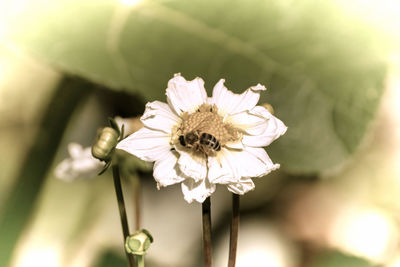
189	140
210	141
205	142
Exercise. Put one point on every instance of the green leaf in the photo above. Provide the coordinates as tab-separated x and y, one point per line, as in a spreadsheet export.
28	183
336	259
323	68
111	259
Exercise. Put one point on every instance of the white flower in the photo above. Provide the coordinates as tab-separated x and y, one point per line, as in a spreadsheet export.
80	164
202	141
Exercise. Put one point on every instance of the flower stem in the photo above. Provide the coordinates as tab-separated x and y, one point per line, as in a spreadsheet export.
122	210
207	248
137	199
140	260
234	230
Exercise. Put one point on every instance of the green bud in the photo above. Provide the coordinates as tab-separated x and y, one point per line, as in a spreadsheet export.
138	242
105	143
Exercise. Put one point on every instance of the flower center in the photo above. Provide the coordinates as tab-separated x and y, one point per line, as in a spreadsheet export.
205	131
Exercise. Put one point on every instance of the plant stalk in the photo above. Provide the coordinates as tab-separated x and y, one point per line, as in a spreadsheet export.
234	230
206	216
137	196
140	260
122	210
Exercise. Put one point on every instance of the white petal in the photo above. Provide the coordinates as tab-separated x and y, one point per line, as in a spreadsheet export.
275	128
198	191
252	124
243	186
159	116
87	167
235	145
166	171
229	102
75	150
185	95
258	157
124	122
231	165
64	171
81	164
222	169
192	166
146	144
130	124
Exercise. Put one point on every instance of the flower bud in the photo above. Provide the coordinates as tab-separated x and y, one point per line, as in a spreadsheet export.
138	242
105	143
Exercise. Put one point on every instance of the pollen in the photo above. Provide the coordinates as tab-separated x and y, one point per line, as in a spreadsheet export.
207	120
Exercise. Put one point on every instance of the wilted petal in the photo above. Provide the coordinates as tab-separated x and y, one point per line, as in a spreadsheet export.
194	166
185	96
229	102
198	191
146	144
243	186
166	171
159	116
275	128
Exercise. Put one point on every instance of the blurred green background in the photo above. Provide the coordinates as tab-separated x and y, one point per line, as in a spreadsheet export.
332	73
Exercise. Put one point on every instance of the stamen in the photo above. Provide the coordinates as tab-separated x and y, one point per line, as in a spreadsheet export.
206	123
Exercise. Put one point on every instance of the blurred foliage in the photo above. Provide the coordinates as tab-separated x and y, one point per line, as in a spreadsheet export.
336	259
324	70
110	259
28	182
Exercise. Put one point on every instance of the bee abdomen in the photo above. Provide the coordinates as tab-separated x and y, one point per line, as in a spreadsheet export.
210	141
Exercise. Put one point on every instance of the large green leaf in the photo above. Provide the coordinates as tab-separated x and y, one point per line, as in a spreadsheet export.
337	259
110	259
322	68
